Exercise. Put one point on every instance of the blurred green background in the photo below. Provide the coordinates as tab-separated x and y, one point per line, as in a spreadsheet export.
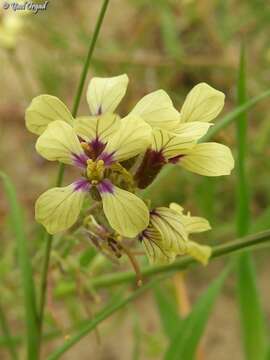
160	44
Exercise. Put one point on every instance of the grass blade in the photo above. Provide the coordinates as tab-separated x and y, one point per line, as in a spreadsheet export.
242	196
169	31
187	338
31	319
252	322
170	320
7	336
102	315
251	313
233	115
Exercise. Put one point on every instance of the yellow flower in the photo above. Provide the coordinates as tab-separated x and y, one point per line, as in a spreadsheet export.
180	146
59	208
105	141
167	236
103	97
99	144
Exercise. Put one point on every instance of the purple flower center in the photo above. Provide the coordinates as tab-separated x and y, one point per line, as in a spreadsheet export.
107	158
80	160
176	159
151	165
96	147
81	185
105	186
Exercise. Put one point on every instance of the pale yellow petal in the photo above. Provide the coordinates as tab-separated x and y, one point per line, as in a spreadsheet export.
152	243
126	213
104	94
201	253
43	110
195	224
157	110
172	230
203	103
209	159
58	209
59	142
192	224
170	144
97	127
132	138
176	207
193	130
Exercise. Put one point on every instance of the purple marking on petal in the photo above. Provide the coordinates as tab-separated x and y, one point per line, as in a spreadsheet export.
80	160
142	235
81	185
153	161
105	186
175	159
97	146
107	158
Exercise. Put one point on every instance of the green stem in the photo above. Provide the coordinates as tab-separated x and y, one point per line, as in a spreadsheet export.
217	251
8	338
231	116
242	195
48	237
89	57
252	323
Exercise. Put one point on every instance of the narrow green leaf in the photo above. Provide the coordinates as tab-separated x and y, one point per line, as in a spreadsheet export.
186	340
7	336
267	356
16	215
102	315
233	115
169	31
251	313
252	322
242	196
262	222
137	336
170	320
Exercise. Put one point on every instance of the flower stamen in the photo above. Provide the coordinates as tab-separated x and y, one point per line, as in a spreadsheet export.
95	171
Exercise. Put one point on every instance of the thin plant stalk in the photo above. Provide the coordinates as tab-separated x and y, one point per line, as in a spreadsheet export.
242	200
242	244
252	322
59	180
104	314
8	338
25	266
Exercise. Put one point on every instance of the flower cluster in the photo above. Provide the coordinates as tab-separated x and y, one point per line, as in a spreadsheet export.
117	156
